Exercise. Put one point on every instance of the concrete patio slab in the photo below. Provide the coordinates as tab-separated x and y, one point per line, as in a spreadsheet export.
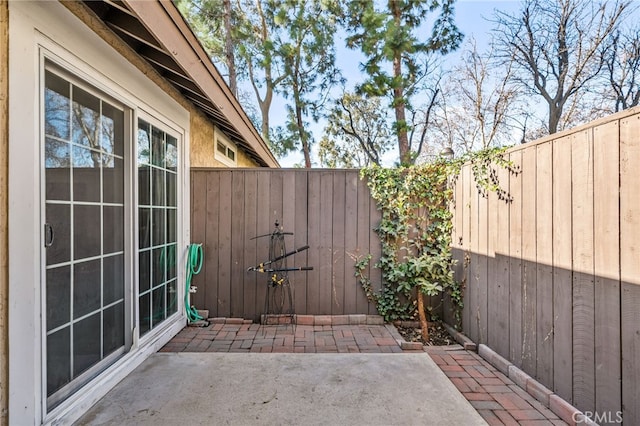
285	389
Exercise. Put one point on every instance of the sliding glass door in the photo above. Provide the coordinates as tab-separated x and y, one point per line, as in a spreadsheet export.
84	233
101	283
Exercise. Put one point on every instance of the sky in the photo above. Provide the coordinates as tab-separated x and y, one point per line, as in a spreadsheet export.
472	18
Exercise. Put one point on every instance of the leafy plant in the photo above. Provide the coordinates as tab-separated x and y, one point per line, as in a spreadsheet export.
415	232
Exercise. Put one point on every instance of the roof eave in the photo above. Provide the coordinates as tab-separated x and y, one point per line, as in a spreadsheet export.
170	29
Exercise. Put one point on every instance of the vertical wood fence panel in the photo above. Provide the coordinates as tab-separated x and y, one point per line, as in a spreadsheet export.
329	210
363	240
501	334
606	227
482	269
544	260
224	245
630	266
301	237
338	243
211	246
563	275
474	279
250	283
350	241
492	326
528	350
515	263
583	291
465	207
198	227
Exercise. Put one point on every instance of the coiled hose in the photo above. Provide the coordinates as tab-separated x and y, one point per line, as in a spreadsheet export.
194	265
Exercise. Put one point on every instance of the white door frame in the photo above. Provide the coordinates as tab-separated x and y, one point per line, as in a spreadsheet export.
33	27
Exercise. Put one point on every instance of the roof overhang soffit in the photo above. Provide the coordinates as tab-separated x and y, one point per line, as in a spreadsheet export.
156	31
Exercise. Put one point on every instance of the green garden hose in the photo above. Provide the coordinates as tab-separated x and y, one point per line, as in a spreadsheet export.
194	264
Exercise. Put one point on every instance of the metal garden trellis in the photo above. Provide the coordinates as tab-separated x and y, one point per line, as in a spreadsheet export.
279	299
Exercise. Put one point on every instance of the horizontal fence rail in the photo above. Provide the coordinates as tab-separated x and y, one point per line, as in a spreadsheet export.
552	278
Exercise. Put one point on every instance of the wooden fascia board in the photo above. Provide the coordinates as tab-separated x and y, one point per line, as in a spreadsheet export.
165	22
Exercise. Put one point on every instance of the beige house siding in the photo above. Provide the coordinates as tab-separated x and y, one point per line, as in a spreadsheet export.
201	131
4	210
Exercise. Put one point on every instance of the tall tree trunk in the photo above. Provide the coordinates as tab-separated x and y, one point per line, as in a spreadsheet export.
303	137
398	97
555	112
265	106
424	324
228	48
401	123
300	125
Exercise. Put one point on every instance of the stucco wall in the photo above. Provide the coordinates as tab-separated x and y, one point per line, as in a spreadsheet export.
201	131
4	208
202	146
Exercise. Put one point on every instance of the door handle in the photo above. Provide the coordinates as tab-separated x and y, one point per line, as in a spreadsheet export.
48	235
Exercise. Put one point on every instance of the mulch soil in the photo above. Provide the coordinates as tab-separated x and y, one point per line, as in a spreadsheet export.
438	336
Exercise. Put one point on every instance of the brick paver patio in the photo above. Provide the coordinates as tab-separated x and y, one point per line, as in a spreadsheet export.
496	398
284	338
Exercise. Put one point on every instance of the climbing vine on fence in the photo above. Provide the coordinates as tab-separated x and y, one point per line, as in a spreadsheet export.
415	231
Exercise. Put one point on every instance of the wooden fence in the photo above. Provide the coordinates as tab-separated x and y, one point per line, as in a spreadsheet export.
553	278
329	210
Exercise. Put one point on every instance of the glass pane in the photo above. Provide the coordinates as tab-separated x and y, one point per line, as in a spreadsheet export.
86	231
145	313
86	175
86	288
86	119
144	143
171	261
144	186
159	261
59	216
171	226
57	162
172	298
113	320
58	297
58	360
57	111
172	153
159	311
157	147
158	188
171	189
113	180
144	231
112	130
231	154
113	229
222	148
113	283
86	344
144	271
158	226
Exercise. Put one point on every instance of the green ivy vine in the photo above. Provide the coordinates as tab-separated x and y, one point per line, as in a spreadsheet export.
415	231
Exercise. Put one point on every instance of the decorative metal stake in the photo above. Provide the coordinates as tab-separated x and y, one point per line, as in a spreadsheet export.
279	299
